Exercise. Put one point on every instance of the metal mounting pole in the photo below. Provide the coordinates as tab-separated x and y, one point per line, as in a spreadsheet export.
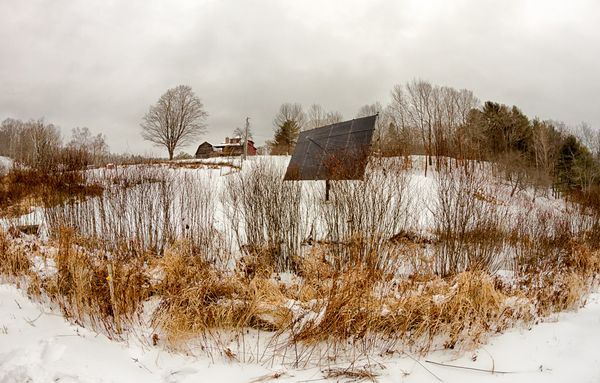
246	138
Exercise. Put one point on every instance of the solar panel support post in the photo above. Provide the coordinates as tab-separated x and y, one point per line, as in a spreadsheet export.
327	189
246	139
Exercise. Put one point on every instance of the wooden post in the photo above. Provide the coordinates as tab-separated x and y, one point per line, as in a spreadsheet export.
327	187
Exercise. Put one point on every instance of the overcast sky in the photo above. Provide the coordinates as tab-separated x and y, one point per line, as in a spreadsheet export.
101	64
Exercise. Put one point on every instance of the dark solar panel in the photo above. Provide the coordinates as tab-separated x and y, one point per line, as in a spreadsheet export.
334	152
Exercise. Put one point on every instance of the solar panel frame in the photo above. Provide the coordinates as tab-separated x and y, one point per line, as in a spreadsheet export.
334	152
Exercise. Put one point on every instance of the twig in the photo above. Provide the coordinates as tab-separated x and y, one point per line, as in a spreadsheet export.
136	360
264	378
32	322
422	365
491	357
470	368
18	305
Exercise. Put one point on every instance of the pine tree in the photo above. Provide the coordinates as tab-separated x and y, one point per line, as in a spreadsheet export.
575	166
285	138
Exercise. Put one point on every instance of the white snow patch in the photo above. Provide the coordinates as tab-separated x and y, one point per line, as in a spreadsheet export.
37	346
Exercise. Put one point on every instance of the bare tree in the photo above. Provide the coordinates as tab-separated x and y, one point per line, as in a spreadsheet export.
41	142
10	133
241	132
34	143
289	112
414	107
381	124
437	115
333	117
590	137
95	147
316	116
175	120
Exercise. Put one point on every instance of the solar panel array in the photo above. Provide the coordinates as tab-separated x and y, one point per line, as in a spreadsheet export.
334	152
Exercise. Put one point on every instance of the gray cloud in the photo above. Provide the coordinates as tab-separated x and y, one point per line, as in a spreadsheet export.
101	64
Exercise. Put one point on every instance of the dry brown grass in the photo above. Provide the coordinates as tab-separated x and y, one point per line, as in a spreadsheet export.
22	188
360	306
197	298
462	309
13	260
81	286
350	374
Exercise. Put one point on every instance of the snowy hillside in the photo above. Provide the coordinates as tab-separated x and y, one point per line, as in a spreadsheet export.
204	224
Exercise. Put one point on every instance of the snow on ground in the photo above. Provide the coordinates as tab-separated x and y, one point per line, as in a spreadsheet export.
35	217
37	345
421	188
5	161
5	164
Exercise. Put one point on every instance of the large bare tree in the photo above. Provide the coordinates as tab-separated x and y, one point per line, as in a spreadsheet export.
290	112
175	120
317	117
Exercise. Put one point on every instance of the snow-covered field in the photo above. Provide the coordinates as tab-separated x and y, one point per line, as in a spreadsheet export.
419	197
39	346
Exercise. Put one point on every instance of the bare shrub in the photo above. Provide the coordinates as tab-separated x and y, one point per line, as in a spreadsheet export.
469	224
23	188
534	243
146	208
264	212
362	216
197	221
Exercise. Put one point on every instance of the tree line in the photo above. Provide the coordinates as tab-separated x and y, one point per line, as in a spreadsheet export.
440	121
420	119
39	145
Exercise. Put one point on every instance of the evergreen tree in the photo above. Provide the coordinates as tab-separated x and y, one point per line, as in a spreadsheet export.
285	138
575	166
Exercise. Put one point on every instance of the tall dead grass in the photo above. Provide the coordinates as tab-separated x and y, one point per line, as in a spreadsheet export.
13	260
94	287
324	314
